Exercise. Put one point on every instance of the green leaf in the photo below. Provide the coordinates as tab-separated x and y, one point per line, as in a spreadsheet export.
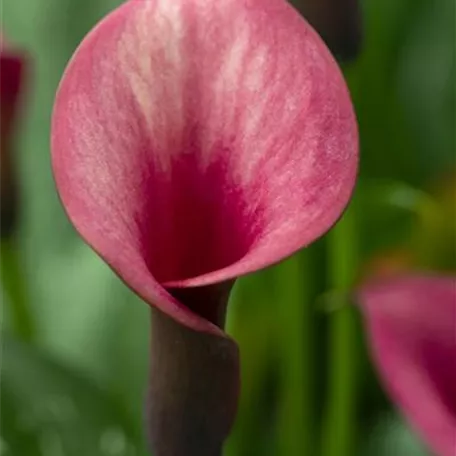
426	76
391	210
50	410
392	437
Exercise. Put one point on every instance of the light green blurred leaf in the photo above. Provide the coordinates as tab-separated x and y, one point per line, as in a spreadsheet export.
391	436
391	210
50	410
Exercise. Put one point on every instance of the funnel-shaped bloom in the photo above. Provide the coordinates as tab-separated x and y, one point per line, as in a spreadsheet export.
412	327
10	85
194	141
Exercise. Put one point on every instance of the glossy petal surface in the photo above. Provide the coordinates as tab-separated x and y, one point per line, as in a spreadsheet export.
412	327
194	141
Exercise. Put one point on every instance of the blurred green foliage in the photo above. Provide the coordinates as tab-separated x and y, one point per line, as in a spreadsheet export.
78	388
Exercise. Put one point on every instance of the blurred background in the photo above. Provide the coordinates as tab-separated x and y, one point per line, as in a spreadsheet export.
74	356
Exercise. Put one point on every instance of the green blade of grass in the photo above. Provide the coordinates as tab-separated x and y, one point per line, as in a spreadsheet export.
339	428
14	288
296	419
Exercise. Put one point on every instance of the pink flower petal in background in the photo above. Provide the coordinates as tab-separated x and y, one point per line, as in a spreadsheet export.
412	328
194	141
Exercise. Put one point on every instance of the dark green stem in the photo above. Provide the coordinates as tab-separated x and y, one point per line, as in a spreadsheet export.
340	419
296	419
14	287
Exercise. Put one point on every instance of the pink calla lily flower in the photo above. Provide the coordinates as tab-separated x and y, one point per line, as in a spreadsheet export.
11	69
194	141
411	323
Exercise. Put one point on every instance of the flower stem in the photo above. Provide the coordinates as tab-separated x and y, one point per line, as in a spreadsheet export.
194	384
296	419
13	283
340	415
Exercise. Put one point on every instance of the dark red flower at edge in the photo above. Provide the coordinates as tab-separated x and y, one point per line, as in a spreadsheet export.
11	69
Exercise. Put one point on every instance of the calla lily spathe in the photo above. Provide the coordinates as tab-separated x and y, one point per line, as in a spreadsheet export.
196	141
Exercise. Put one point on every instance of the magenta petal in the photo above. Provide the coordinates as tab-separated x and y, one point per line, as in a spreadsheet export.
194	141
412	327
